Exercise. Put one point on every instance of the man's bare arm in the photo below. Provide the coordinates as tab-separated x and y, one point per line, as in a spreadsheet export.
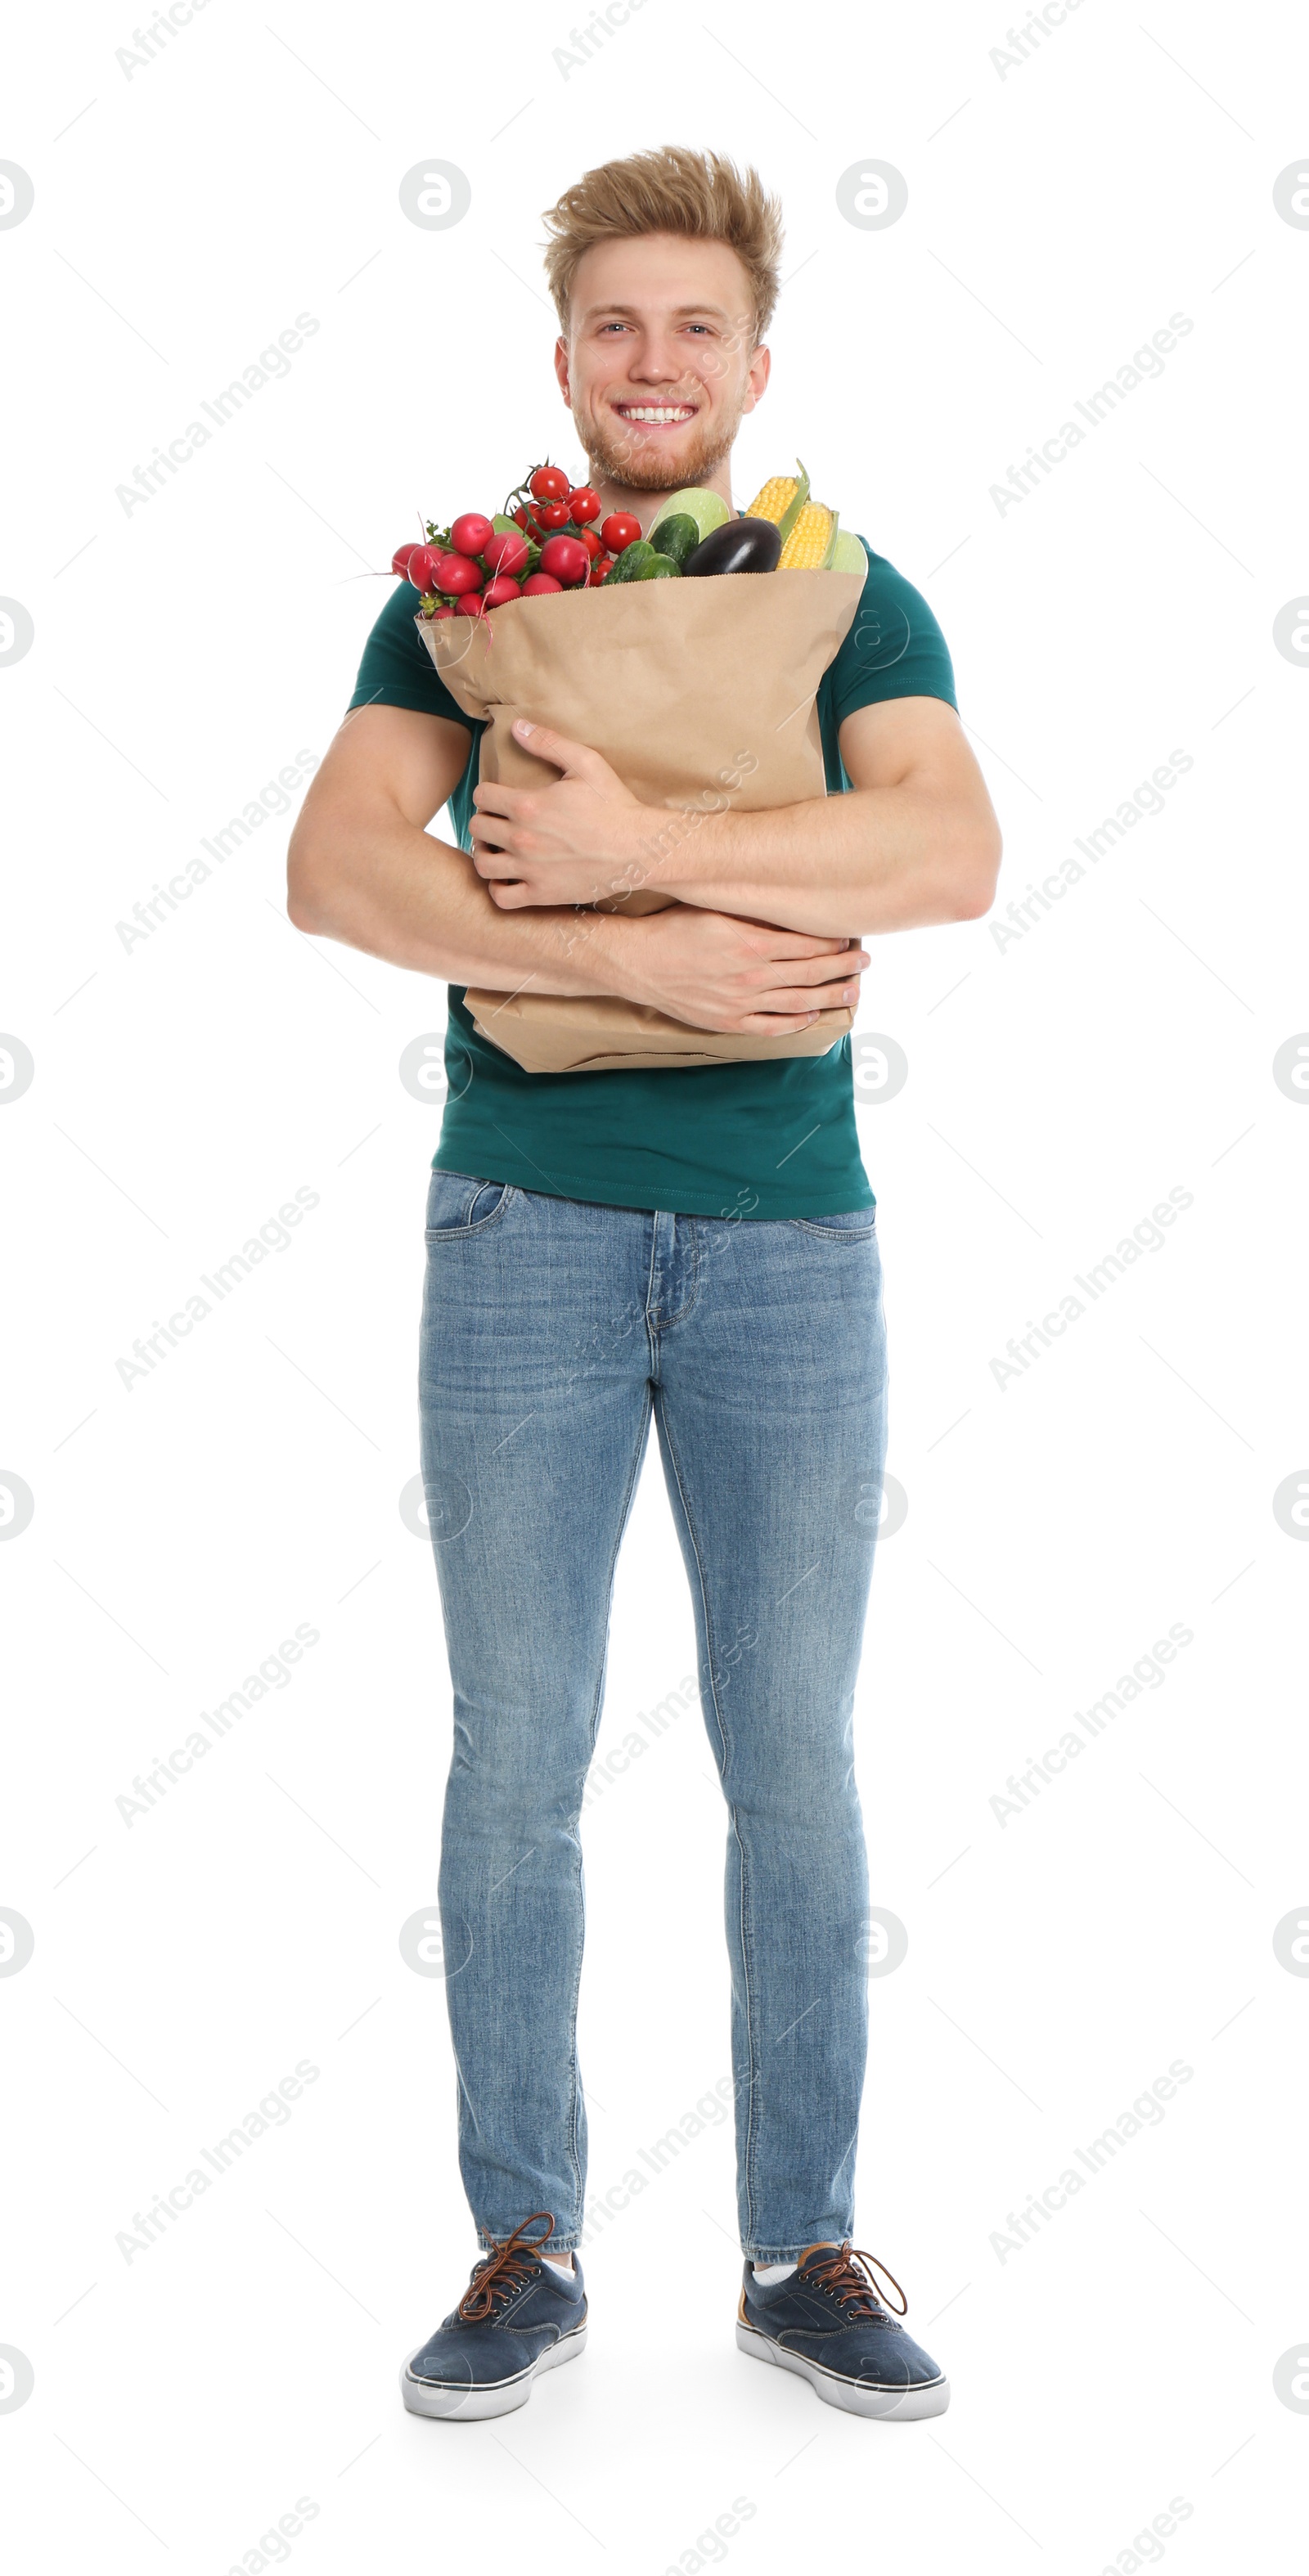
913	843
362	869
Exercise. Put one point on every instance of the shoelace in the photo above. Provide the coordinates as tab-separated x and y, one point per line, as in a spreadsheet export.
857	2293
504	2270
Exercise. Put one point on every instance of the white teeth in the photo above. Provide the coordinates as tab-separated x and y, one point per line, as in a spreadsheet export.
649	412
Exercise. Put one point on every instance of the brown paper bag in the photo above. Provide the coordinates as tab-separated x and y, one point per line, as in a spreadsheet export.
700	694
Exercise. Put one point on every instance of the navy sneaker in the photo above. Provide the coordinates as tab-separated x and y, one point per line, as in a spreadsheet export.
827	2322
517	2316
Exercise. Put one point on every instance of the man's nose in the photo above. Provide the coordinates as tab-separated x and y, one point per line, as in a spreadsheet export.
657	361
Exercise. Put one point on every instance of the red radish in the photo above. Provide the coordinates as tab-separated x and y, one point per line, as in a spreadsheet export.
537	583
552	514
448	611
549	483
620	529
469	534
496	592
400	559
472	604
567	559
504	551
420	567
585	505
453	572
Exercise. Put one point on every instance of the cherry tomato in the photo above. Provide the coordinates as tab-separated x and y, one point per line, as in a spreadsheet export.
537	583
523	515
496	592
453	573
420	568
469	534
588	538
620	530
504	551
585	505
549	483
552	514
602	565
567	559
400	559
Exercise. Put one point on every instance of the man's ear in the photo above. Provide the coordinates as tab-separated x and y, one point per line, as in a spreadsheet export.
757	377
561	368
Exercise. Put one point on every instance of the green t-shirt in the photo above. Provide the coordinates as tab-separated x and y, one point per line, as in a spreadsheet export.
769	1139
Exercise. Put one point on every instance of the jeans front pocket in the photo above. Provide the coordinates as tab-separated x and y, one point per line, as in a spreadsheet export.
850	1224
461	1203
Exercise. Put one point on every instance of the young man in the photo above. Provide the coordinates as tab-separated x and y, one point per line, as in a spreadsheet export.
695	1243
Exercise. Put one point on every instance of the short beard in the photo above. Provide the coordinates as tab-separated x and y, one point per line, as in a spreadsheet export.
629	471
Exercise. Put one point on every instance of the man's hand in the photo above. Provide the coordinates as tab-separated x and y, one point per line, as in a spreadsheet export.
716	972
583	837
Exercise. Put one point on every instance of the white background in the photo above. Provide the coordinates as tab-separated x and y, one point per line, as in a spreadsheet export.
185	1088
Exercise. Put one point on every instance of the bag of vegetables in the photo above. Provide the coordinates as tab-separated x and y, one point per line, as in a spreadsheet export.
700	691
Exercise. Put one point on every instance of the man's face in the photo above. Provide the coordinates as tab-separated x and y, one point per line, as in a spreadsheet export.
659	366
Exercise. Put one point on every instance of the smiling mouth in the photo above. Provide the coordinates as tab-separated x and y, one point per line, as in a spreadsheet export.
657	415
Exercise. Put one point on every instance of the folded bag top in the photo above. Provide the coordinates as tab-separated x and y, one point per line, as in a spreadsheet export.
701	695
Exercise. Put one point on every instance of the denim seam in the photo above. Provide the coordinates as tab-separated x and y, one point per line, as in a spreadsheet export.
689	1304
747	2151
566	2245
651	1328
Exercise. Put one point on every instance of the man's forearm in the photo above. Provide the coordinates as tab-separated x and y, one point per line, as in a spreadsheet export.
875	859
383	885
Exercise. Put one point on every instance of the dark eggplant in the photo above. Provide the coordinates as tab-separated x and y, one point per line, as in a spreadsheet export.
740	545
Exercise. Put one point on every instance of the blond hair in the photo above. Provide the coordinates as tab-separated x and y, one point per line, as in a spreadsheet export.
672	190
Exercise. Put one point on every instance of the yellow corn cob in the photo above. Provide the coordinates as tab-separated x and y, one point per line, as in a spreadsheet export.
781	501
772	500
806	548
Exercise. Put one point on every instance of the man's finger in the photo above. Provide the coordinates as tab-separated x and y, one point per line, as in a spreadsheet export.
812	970
490	797
803	996
559	748
494	833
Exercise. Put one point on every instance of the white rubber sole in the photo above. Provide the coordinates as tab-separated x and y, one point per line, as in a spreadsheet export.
891	2405
452	2405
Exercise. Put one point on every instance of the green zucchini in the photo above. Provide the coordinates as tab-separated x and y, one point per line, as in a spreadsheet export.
708	509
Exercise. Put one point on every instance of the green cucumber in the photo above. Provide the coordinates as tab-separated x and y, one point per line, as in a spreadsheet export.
677	537
659	568
627	565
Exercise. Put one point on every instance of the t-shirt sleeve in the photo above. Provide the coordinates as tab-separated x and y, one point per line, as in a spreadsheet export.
895	649
398	671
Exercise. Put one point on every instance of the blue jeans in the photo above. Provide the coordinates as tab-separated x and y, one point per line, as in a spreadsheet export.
551	1329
